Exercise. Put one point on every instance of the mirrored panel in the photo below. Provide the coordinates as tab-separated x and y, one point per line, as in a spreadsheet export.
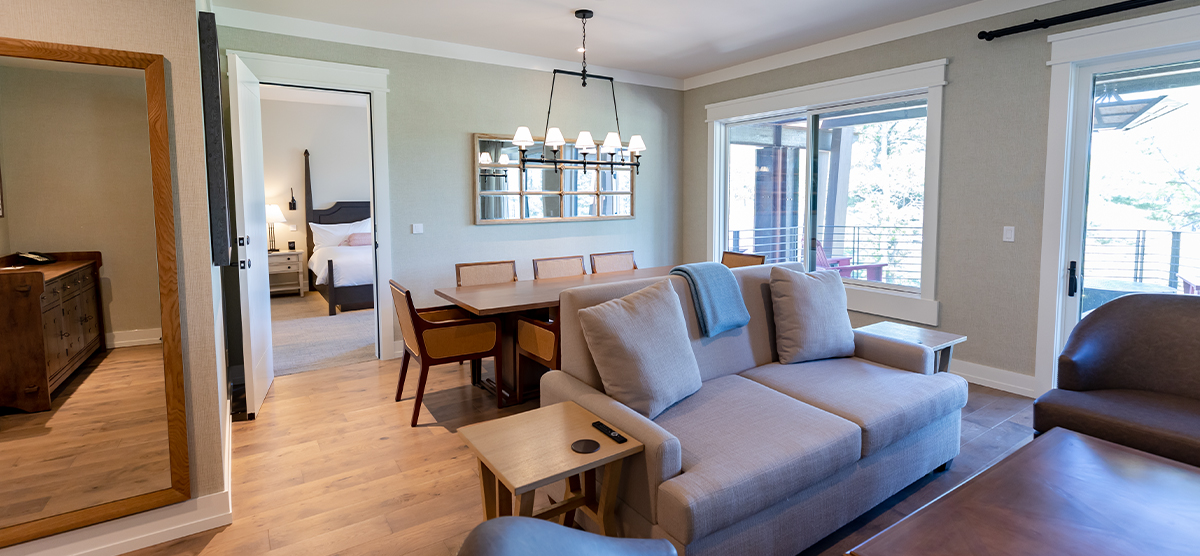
543	189
85	400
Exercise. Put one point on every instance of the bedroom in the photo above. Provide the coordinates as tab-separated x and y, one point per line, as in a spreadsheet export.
318	181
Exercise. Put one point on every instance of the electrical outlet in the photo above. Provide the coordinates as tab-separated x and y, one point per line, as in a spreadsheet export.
1010	233
418	228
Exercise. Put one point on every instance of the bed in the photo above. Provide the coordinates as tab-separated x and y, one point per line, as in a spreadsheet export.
352	268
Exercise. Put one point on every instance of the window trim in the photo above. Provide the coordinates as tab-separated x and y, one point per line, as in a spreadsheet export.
926	78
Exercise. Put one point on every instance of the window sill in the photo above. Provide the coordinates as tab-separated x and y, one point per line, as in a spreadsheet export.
892	304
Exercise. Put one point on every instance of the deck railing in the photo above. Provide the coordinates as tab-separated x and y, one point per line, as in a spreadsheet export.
1157	257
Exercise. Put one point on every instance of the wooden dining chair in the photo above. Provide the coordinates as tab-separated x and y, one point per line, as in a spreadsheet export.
478	274
439	335
735	259
615	261
558	267
537	340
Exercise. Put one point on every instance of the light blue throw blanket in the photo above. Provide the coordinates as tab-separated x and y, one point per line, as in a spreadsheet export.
718	299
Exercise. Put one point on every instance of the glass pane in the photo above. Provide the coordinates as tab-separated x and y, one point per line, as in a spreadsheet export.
579	180
618	180
871	192
579	205
766	167
498	152
616	205
1142	232
499	207
543	206
499	179
541	179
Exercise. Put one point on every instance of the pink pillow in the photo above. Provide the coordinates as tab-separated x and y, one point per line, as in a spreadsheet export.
358	239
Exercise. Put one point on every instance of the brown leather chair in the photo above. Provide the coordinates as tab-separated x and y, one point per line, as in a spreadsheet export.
558	267
439	335
615	261
735	259
1130	374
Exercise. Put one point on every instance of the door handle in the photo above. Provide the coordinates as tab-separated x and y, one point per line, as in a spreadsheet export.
1072	280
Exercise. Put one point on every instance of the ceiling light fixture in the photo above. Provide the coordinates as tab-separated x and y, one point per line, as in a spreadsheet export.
619	155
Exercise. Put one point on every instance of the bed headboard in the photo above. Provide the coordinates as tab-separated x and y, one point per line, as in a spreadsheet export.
341	212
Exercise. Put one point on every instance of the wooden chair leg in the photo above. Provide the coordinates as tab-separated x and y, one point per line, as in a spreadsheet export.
498	359
403	372
476	371
420	392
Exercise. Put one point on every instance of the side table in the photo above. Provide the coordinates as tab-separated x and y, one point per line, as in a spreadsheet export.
942	343
519	453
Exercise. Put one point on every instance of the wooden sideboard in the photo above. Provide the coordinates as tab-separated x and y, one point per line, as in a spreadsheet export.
51	321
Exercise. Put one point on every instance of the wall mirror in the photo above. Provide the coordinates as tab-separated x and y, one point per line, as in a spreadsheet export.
507	194
92	420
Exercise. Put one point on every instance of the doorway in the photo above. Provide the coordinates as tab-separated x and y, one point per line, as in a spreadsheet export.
1122	172
251	74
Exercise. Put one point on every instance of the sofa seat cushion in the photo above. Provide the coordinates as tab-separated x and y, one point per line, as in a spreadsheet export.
887	403
1161	424
744	448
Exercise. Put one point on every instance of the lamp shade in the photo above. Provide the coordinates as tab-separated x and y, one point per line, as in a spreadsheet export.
554	138
504	159
584	142
636	145
612	142
485	158
523	138
274	215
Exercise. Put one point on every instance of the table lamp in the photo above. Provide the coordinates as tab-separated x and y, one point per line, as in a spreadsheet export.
274	216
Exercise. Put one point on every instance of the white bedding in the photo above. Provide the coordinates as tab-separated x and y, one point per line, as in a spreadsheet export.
352	266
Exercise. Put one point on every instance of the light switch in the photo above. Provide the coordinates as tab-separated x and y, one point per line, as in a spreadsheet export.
1010	233
418	228
293	227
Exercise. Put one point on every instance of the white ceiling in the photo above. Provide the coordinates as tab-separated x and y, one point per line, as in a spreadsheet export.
673	38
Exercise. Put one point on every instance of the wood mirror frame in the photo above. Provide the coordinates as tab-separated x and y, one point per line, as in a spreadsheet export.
168	289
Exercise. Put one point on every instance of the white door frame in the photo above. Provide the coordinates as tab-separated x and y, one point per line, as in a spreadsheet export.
284	70
1075	56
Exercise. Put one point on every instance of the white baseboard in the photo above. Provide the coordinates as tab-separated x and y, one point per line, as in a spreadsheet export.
130	533
130	338
1000	379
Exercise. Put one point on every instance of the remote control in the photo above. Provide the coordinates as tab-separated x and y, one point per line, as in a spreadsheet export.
616	436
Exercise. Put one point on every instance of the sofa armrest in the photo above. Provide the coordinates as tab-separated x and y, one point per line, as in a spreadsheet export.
662	458
902	355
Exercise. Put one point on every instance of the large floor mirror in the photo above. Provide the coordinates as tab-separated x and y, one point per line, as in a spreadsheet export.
92	420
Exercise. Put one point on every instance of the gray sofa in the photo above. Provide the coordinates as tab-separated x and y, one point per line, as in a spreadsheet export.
767	458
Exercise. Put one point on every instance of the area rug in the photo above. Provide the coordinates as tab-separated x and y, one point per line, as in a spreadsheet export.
306	338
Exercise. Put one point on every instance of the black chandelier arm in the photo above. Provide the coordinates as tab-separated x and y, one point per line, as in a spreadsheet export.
558	162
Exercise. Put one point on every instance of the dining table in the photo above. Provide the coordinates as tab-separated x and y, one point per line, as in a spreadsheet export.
508	300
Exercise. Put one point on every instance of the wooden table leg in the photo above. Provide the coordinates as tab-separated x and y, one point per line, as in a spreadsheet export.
943	363
573	488
526	508
607	503
487	488
504	500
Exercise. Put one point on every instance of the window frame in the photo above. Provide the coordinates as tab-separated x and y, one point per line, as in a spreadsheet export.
521	193
925	79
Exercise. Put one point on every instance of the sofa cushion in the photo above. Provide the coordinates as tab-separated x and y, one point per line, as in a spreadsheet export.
1161	424
811	320
641	348
888	404
745	447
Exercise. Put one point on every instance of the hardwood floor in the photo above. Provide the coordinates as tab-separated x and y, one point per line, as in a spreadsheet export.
332	467
104	439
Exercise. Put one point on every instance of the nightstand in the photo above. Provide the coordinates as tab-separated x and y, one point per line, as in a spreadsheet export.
286	271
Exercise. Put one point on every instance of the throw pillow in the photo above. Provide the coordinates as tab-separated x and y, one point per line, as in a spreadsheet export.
641	348
811	320
358	239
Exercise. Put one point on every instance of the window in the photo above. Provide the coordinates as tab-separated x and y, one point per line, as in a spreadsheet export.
837	181
507	194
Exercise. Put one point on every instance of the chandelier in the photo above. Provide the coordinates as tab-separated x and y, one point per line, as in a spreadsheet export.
618	154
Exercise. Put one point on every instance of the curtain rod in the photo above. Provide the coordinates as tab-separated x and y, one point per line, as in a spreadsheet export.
1068	18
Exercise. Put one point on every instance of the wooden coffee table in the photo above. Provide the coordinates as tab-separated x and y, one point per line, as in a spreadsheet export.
522	452
1063	493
